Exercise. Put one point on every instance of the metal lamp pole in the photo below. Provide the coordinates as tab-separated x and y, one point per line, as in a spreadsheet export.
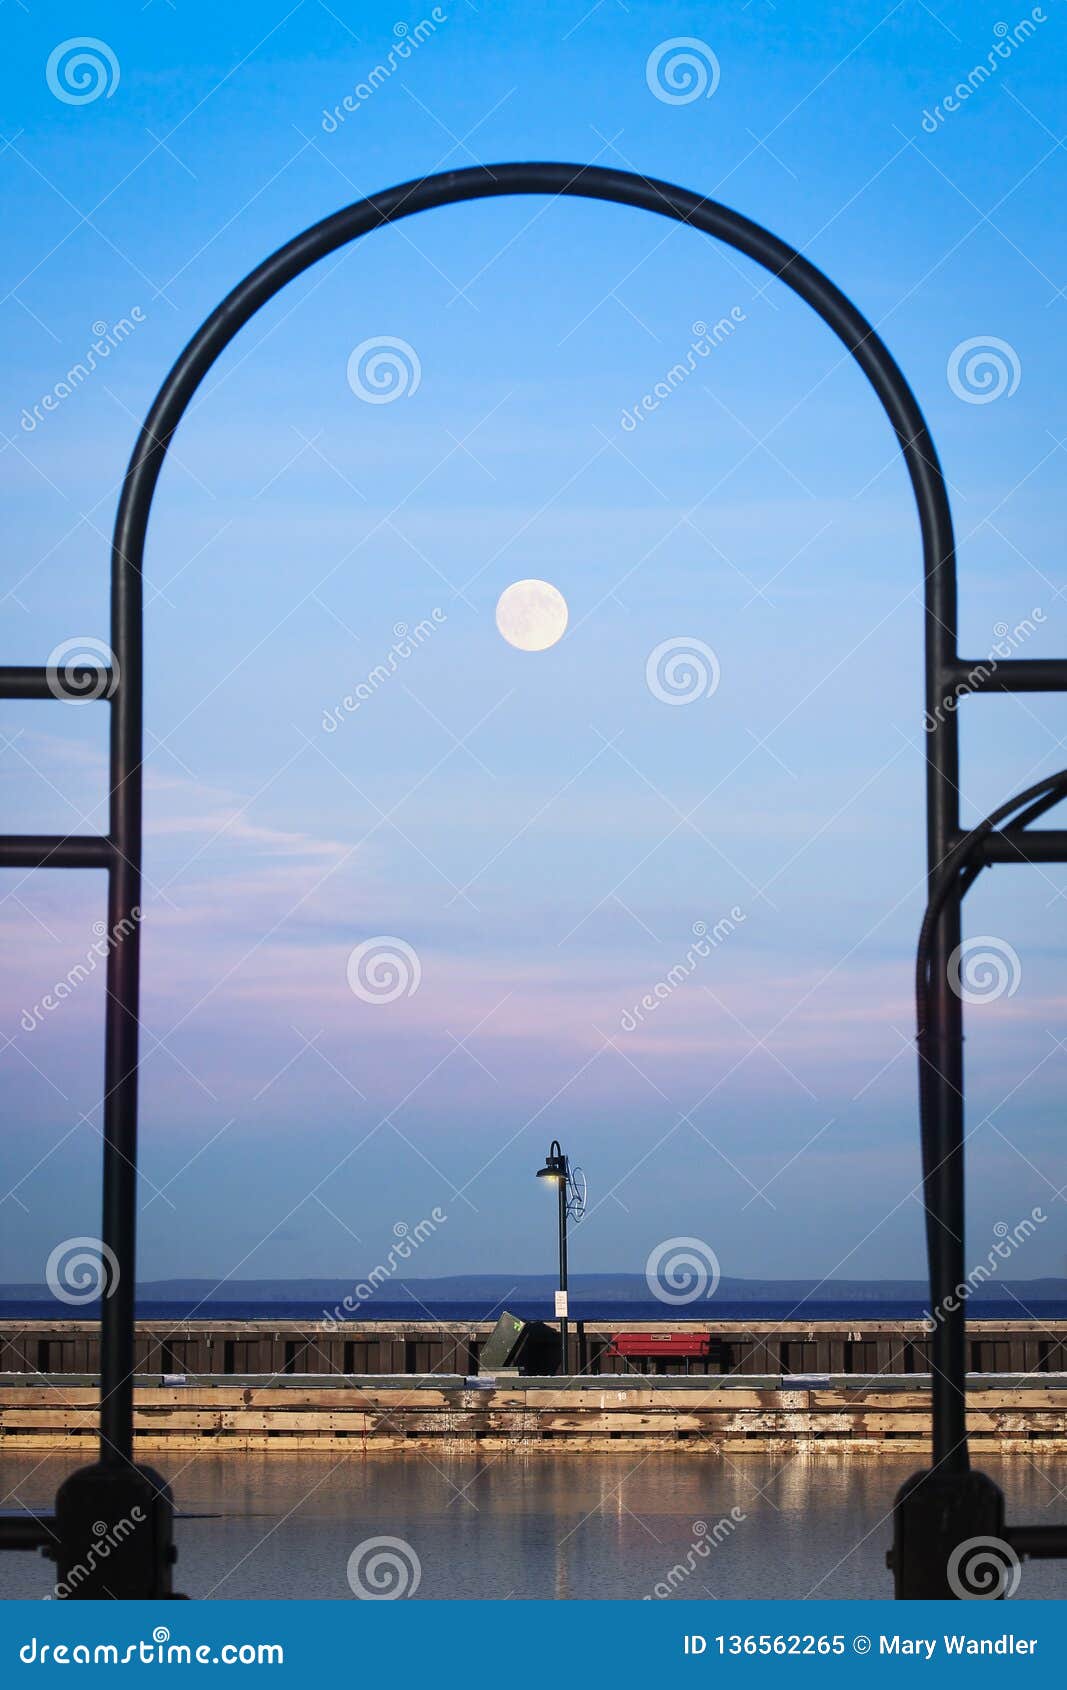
557	1169
562	1310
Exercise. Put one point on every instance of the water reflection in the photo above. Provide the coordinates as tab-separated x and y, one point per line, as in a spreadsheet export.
540	1526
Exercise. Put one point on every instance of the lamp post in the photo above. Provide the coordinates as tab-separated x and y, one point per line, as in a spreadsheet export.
557	1172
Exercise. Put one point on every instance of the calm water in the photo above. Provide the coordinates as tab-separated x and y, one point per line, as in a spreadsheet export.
517	1527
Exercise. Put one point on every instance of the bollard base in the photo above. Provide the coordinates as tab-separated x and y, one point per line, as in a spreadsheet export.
114	1525
949	1539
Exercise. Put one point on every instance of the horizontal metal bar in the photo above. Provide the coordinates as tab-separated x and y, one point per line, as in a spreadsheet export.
1024	845
46	850
79	684
989	674
27	1531
1040	1542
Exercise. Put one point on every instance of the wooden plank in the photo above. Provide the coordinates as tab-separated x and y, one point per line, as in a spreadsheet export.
343	1399
604	1416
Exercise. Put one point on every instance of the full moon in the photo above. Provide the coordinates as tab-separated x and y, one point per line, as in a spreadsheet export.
531	615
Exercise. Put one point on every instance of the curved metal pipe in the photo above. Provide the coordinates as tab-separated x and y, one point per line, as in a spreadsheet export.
944	1180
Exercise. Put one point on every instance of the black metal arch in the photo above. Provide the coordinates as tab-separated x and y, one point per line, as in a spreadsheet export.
120	850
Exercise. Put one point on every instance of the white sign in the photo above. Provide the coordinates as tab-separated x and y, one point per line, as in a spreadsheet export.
561	1305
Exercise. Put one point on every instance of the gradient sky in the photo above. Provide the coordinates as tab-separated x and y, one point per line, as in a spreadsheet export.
541	829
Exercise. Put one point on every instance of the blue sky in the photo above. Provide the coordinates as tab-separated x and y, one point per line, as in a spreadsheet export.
542	830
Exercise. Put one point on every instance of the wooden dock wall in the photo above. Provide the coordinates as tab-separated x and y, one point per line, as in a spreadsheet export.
742	1348
452	1417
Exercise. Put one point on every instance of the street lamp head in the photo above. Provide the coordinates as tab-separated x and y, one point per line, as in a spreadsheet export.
555	1167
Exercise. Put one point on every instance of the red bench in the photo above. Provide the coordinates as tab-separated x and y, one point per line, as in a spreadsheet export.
661	1346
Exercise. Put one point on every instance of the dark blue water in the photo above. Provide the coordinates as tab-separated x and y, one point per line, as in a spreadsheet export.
591	1309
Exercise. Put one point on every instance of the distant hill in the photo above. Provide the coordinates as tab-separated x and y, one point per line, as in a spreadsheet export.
492	1290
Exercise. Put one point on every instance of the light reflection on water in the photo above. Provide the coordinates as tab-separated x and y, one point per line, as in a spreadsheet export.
542	1526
